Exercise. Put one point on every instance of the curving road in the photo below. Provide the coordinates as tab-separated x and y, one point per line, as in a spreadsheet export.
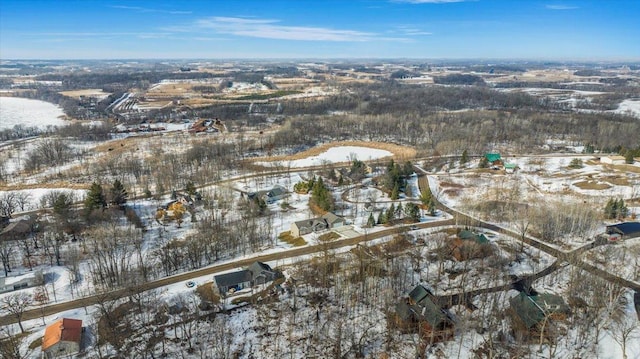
459	218
291	253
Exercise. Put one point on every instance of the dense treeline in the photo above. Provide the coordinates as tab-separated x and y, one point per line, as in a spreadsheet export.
110	82
459	79
449	132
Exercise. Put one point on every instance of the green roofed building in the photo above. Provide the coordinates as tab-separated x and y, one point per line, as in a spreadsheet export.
477	237
531	310
493	157
420	307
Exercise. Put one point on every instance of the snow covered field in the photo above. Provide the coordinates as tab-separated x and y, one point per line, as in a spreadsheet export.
29	113
631	107
335	155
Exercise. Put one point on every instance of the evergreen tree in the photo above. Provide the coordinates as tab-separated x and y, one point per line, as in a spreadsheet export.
399	211
412	211
622	209
616	209
321	196
576	163
464	158
484	162
426	196
62	205
431	207
371	221
628	157
382	217
395	193
609	209
119	195
588	148
190	188
95	198
391	212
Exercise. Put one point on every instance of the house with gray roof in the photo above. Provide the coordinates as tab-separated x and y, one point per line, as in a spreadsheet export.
270	196
256	274
318	224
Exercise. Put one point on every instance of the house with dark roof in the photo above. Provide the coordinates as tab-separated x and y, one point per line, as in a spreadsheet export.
624	230
470	245
62	338
256	274
531	310
270	196
17	230
313	225
420	311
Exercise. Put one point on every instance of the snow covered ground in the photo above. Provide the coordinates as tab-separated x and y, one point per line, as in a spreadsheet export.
334	155
631	107
29	113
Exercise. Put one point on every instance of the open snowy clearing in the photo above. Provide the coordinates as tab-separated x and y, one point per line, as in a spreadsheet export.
28	113
629	107
334	155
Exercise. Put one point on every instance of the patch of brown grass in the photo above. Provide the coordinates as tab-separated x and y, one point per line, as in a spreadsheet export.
328	237
294	241
617	180
207	294
450	184
627	168
592	185
52	185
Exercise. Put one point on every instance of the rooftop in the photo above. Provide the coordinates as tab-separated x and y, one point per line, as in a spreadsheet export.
67	330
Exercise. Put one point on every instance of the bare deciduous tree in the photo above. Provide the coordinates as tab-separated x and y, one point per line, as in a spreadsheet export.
16	304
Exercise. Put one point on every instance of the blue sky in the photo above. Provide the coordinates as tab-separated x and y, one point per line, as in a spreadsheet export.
515	29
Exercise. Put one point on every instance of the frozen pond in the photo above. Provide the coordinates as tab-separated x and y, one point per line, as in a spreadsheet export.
29	113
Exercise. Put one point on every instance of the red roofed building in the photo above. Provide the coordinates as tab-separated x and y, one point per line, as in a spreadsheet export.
62	338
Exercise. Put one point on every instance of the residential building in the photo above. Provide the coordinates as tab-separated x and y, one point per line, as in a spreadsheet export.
30	279
420	311
256	274
318	224
62	338
531	310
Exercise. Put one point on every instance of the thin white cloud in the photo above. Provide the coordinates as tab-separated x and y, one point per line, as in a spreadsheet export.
144	9
561	7
412	31
270	29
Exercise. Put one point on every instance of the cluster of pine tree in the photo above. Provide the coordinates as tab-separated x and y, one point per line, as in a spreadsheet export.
321	196
616	209
97	199
395	178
